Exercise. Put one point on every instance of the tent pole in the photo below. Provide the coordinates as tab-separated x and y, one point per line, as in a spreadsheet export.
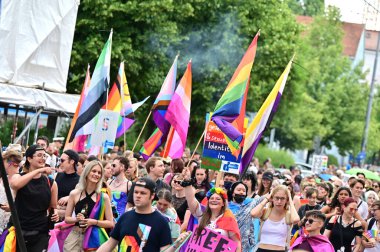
27	127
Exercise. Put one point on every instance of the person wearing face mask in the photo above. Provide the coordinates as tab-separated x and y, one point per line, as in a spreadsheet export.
241	207
229	179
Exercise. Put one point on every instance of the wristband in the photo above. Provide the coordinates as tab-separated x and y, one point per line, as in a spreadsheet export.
186	183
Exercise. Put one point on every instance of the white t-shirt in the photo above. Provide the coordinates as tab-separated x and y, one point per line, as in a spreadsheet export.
363	209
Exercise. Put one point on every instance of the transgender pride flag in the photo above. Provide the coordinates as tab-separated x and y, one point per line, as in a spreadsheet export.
263	118
178	115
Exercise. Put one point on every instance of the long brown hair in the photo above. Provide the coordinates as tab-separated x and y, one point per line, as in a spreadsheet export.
205	220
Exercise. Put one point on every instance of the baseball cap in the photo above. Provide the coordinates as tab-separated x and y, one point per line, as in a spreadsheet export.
146	183
58	139
268	175
30	152
72	155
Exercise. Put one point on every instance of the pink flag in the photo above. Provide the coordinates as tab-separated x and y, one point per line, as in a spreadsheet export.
178	115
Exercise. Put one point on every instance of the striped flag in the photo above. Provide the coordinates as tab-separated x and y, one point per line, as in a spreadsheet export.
78	143
178	115
230	105
263	118
159	109
97	92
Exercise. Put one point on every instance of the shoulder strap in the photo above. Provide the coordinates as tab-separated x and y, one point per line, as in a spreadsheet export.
371	222
50	181
361	201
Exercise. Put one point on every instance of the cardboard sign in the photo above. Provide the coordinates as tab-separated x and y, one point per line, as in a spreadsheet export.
105	130
319	163
210	241
216	154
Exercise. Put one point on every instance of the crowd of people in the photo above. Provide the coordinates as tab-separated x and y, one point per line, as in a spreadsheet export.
122	202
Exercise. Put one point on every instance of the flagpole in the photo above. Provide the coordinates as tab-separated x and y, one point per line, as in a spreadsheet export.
196	147
138	138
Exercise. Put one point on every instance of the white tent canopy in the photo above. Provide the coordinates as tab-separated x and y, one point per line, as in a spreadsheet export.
36	38
31	97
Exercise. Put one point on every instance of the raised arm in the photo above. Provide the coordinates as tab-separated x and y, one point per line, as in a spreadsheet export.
257	211
294	217
17	182
190	192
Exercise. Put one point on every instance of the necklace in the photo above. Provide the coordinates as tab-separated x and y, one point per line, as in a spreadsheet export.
116	185
346	222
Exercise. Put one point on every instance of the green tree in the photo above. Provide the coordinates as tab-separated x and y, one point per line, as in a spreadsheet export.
307	7
334	93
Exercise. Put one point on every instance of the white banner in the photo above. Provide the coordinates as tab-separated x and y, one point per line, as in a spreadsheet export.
105	130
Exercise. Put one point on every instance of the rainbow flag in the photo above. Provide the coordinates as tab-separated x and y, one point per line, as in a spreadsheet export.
263	118
230	104
178	114
96	236
8	240
159	109
97	93
78	143
119	100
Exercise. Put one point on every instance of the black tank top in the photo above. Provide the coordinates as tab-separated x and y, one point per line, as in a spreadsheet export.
32	202
85	205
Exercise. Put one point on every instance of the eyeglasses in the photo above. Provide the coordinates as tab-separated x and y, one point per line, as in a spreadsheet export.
41	155
353	209
279	198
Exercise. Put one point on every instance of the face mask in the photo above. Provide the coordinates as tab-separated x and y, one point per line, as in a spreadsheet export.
227	185
239	198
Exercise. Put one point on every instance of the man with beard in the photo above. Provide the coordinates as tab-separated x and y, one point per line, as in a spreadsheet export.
323	194
120	185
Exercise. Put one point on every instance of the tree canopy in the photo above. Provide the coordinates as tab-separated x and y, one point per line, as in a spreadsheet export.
324	97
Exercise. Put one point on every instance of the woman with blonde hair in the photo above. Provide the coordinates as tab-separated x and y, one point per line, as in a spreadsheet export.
92	211
277	214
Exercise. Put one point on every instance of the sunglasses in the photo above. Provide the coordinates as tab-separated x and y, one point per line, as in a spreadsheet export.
311	221
177	182
353	209
63	160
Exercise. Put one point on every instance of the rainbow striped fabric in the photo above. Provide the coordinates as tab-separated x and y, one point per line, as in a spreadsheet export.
79	141
178	115
230	104
159	109
263	118
8	240
97	93
96	236
119	100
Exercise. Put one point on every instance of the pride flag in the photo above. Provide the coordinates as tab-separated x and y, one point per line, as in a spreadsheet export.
263	118
178	115
97	91
119	100
230	104
78	143
159	109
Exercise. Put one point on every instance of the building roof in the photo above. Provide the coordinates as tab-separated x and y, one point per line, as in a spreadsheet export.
351	37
